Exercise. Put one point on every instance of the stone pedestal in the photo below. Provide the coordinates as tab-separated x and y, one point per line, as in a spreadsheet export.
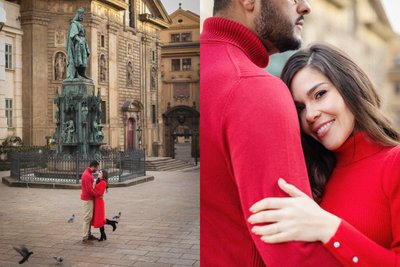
78	118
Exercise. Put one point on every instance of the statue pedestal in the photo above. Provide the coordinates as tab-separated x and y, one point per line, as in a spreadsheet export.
77	86
78	118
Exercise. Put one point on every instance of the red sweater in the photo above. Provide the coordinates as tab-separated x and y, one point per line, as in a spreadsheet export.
87	185
364	190
250	137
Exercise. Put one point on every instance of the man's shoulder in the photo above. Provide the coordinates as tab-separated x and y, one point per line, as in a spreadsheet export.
229	60
260	80
86	172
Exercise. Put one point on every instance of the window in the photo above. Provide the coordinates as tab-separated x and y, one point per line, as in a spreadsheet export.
181	37
175	64
103	112
186	37
9	112
102	40
153	114
154	55
176	37
186	64
8	56
132	13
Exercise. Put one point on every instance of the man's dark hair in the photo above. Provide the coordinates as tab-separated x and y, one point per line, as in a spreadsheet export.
220	5
94	163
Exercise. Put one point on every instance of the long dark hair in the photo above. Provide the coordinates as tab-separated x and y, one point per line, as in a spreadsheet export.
359	95
105	178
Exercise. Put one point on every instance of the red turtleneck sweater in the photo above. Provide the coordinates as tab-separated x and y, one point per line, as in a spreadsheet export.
364	190
250	137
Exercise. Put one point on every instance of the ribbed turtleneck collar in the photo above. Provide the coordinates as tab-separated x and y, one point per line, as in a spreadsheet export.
225	30
356	148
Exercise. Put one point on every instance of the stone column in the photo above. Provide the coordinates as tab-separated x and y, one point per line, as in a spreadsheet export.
113	100
17	102
35	78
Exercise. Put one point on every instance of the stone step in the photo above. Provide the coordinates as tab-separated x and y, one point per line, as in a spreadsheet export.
170	167
166	164
172	161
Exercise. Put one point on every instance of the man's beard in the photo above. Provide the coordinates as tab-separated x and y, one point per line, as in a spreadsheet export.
272	27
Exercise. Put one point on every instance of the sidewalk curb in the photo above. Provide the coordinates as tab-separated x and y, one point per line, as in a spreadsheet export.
12	182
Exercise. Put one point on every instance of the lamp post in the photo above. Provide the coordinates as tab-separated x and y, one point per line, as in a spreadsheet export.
196	148
139	134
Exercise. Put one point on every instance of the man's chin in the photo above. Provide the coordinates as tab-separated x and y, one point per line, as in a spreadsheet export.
288	45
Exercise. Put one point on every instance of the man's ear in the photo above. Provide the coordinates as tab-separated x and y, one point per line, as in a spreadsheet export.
248	4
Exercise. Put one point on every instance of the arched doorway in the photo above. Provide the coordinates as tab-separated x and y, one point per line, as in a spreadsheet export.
182	133
133	124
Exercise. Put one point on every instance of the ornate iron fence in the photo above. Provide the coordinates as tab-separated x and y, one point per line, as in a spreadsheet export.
49	167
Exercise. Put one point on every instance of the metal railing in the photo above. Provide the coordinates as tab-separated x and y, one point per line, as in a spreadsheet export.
49	167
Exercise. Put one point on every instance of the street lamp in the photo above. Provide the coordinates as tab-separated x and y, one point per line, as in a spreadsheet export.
139	134
2	16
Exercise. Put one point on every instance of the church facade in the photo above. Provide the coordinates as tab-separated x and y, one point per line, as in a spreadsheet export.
125	59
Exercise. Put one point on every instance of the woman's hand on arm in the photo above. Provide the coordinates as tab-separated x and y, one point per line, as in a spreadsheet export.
294	218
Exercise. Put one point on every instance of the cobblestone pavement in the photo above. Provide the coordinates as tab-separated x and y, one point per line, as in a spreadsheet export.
159	225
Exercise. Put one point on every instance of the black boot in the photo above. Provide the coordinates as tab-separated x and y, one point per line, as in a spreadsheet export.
103	234
112	223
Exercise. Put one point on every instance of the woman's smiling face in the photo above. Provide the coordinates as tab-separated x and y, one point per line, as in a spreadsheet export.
322	111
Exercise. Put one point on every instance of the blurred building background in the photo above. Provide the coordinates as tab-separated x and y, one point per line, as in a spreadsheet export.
362	29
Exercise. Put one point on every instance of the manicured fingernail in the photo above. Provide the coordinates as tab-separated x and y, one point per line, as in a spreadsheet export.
282	180
252	209
250	220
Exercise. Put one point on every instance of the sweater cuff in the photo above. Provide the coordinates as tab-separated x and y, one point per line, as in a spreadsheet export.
339	248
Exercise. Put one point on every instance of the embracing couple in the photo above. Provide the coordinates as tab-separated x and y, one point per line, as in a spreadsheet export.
319	128
93	202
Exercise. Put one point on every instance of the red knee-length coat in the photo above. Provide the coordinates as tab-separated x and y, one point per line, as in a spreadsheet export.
99	214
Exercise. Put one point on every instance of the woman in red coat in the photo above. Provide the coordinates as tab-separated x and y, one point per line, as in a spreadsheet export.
99	215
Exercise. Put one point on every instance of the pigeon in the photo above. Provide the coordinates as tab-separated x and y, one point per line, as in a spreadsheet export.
25	253
71	220
116	217
59	259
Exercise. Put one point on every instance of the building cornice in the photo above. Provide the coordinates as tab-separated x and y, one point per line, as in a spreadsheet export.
116	4
12	30
153	20
33	19
180	45
189	27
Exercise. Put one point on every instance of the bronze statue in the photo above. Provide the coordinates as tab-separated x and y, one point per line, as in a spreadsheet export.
77	48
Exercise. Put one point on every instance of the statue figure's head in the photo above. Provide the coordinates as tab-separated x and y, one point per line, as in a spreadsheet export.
79	14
